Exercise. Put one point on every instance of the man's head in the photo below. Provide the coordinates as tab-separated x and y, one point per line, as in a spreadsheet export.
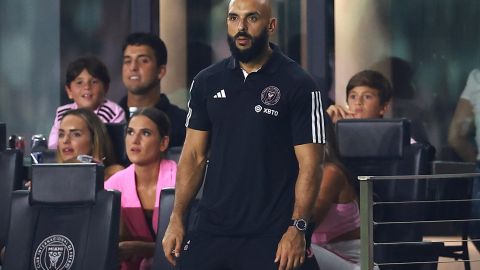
249	25
368	94
144	63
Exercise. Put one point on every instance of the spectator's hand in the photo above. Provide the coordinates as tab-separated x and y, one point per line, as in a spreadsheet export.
337	112
127	250
28	184
291	250
173	239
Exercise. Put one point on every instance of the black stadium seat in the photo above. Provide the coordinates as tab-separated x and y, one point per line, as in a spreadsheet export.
167	199
381	147
11	177
66	221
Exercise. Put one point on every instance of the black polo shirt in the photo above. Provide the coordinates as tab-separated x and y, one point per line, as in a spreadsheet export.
254	124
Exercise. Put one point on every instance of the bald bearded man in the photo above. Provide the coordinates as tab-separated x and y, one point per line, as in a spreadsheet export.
259	116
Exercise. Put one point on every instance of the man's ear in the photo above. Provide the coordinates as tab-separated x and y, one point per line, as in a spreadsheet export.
272	25
69	92
162	70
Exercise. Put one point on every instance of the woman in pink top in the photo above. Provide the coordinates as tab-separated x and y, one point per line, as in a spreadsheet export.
336	238
140	184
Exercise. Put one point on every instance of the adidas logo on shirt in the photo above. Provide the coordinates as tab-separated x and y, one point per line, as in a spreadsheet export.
220	94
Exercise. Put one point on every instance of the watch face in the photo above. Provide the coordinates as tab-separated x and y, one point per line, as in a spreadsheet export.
301	224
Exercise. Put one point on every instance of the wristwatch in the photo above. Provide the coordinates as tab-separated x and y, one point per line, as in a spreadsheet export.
301	224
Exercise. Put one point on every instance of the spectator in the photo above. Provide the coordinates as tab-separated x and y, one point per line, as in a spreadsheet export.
144	65
336	238
82	133
368	96
146	141
86	83
464	137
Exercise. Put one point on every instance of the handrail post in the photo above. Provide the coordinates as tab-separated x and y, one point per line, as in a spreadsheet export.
366	223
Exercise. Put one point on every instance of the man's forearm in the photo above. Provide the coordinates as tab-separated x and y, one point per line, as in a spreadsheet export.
310	161
306	190
189	179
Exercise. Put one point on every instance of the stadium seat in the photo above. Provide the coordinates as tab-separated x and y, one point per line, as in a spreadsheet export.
66	221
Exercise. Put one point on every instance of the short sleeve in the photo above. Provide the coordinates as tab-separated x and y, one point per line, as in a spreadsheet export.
53	137
473	86
197	117
306	115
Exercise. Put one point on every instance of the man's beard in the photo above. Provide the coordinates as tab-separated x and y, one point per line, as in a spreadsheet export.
139	91
258	46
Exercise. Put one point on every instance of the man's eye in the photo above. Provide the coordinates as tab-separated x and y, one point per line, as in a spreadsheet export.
232	18
252	19
147	133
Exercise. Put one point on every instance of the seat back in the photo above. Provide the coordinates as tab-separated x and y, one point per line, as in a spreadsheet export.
66	221
380	147
167	198
116	131
11	177
3	136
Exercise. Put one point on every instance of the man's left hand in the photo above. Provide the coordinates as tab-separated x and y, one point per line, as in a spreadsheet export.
291	250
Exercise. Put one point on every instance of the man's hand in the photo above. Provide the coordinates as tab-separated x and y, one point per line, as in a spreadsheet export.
291	250
173	238
337	112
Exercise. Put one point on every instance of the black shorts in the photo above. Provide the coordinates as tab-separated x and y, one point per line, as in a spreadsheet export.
206	252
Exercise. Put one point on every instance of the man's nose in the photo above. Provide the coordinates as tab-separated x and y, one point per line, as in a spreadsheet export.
242	24
134	65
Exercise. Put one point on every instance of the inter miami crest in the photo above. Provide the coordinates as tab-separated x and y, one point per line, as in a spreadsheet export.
55	252
270	95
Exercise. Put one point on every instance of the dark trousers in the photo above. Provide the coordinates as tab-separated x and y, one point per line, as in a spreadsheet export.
206	252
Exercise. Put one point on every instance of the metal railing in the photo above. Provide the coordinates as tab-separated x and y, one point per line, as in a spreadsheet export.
367	219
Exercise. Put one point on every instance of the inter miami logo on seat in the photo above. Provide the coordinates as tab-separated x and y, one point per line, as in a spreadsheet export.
270	95
55	252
